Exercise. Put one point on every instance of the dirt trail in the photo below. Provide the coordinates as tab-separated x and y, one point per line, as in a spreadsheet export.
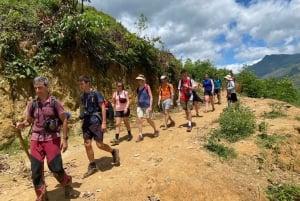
174	166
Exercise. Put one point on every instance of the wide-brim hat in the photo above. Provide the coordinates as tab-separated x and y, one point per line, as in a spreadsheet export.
228	77
163	77
140	77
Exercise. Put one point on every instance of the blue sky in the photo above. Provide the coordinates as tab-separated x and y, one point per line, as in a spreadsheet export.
230	33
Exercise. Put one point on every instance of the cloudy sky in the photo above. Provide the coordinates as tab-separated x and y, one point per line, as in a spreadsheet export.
230	33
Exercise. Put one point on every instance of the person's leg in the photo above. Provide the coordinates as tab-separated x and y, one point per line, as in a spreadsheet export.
55	164
196	106
219	96
118	125
127	125
206	98
140	115
37	169
212	102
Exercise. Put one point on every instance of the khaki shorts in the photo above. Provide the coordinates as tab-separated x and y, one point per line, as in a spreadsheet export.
143	112
187	105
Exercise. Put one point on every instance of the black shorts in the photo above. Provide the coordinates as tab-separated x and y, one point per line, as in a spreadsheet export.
93	131
122	114
232	98
216	91
208	93
196	98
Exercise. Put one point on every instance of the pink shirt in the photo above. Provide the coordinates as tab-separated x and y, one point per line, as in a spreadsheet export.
117	95
41	113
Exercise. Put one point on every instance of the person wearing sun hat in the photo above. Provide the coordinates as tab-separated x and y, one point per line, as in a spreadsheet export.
231	93
144	107
165	99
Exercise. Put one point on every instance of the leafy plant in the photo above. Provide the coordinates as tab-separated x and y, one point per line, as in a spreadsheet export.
236	122
285	192
297	118
220	149
276	111
270	141
262	127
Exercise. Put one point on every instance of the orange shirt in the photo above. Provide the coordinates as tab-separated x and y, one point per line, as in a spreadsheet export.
166	91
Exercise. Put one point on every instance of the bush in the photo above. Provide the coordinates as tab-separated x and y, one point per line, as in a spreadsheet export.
285	192
236	123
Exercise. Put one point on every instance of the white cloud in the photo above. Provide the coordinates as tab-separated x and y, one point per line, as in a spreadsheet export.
189	28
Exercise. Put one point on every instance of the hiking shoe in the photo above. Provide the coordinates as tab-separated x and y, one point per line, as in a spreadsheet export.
68	188
91	170
165	127
116	157
129	137
115	141
140	138
156	133
172	124
189	129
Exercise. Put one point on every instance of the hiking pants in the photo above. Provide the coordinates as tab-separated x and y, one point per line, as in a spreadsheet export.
51	150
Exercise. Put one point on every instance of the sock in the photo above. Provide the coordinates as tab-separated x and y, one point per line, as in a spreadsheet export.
93	164
129	132
117	136
190	123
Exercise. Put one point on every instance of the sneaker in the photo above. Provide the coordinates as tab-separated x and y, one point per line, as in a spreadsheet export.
156	133
172	124
129	137
115	141
165	127
116	157
140	138
91	170
189	129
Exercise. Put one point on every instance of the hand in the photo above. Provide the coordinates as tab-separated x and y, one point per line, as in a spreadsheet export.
64	145
103	127
149	109
171	103
20	125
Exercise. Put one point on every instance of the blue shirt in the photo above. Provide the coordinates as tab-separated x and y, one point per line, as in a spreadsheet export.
143	97
217	83
207	85
90	102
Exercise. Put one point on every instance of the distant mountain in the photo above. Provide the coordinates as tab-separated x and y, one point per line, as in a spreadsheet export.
272	63
277	66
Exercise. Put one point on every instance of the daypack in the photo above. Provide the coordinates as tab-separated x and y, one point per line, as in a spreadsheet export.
108	106
187	95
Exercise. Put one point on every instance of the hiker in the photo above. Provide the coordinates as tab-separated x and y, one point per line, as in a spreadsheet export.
231	94
121	106
144	107
47	115
196	100
93	114
218	87
185	96
165	100
208	86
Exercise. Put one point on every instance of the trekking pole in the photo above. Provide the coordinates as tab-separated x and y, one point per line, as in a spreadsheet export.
23	144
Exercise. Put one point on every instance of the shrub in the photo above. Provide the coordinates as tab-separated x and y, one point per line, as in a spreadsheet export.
237	122
276	111
286	192
270	141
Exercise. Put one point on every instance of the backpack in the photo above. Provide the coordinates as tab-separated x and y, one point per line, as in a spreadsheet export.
108	106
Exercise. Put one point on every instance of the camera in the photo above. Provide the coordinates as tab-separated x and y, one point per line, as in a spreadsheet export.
50	124
83	115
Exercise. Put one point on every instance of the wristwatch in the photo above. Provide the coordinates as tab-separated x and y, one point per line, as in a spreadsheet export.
66	138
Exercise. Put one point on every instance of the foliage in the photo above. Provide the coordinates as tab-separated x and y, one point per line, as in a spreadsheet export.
285	192
270	141
262	127
236	122
276	111
220	149
280	89
297	118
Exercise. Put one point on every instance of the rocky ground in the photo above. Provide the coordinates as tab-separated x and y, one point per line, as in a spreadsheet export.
174	166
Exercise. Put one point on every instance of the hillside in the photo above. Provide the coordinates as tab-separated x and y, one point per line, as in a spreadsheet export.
174	166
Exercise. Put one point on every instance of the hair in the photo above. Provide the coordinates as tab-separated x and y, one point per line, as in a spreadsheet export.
121	83
43	80
183	71
84	78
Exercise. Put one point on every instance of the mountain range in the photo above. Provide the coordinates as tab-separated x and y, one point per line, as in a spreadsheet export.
278	66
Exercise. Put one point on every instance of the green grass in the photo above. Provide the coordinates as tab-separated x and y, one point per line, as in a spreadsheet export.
14	146
221	150
285	192
270	141
274	114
